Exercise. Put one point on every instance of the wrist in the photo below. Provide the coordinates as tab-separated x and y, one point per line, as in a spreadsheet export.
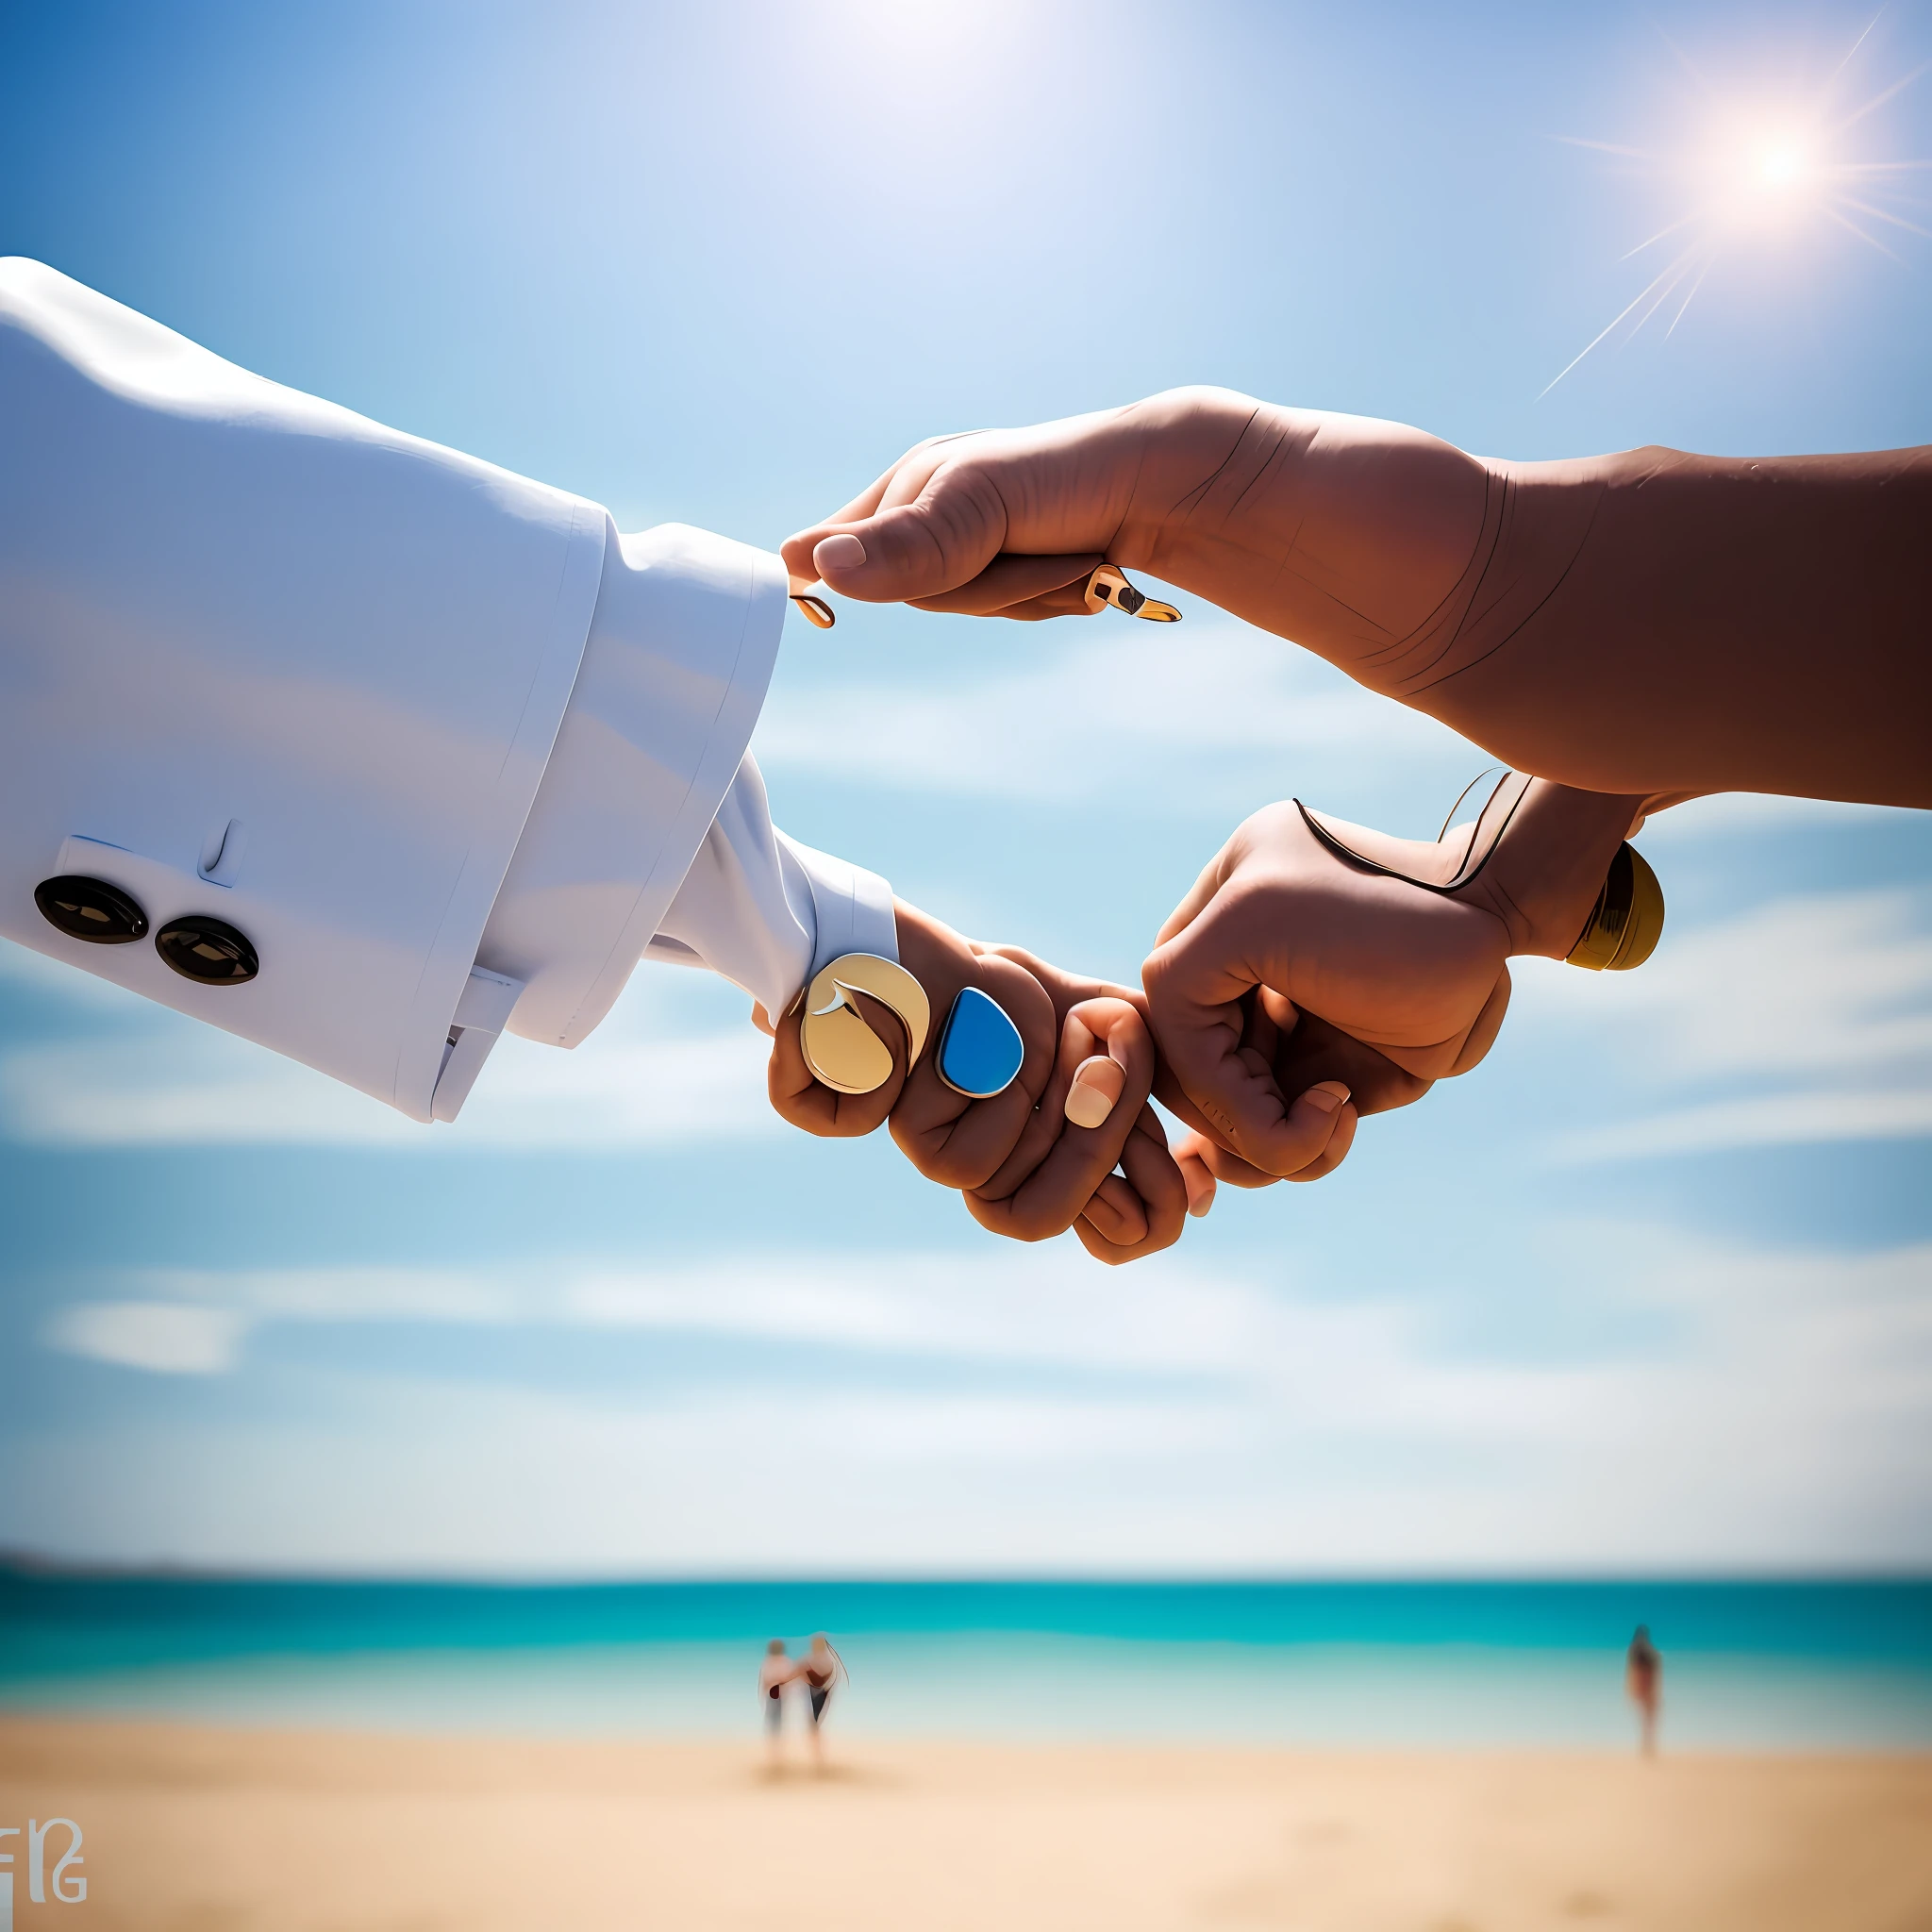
1178	442
1545	875
1343	533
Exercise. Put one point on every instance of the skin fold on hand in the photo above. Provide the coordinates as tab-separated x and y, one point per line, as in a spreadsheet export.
1025	1168
1651	622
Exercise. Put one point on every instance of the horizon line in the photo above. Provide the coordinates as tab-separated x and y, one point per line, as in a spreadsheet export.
36	1566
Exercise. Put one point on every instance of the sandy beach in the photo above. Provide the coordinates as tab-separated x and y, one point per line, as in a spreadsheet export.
199	1829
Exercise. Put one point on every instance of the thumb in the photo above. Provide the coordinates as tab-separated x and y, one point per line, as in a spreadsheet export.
942	538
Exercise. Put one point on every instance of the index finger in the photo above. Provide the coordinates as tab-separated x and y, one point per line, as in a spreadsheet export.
1010	581
1199	897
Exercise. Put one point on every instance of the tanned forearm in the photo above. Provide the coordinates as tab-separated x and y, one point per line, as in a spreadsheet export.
1650	623
1716	625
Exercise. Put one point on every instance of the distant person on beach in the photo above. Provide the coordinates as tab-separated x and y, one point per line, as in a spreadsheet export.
1643	1679
819	1670
773	1674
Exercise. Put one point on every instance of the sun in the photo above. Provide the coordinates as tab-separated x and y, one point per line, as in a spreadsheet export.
1764	173
1751	172
1780	165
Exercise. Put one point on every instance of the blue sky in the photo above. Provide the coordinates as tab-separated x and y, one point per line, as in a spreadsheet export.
1649	1291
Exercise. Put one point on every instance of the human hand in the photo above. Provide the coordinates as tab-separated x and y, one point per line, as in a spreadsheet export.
1340	531
1001	523
1093	1137
1651	619
1027	1170
1292	992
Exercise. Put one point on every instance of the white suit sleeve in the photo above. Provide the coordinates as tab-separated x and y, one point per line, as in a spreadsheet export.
635	847
343	741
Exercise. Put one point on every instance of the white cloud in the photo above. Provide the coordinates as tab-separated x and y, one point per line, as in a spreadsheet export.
1354	1365
459	1296
1827	983
1728	812
164	1337
1773	1407
1143	713
644	1085
163	1079
171	1080
1783	1119
1819	1006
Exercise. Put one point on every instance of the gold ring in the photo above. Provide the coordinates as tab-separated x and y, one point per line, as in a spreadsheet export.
841	1048
1627	920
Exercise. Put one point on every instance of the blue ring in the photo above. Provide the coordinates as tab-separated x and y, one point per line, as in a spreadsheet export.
980	1050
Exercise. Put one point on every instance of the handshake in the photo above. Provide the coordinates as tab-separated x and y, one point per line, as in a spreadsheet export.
373	800
1316	972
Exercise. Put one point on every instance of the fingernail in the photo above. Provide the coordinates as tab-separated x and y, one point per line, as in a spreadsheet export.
1098	1084
839	553
1331	1096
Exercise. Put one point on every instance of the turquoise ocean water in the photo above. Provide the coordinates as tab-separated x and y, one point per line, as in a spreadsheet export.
1773	1665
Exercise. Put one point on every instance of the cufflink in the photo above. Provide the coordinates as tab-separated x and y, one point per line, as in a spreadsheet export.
980	1048
1109	585
841	1050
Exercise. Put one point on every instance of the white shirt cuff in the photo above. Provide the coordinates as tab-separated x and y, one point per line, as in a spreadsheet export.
766	912
853	906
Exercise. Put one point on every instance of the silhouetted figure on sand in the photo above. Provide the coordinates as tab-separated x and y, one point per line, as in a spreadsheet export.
1644	1682
773	1674
820	1669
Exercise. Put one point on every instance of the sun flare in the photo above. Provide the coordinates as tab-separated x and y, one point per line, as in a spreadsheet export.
1767	174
